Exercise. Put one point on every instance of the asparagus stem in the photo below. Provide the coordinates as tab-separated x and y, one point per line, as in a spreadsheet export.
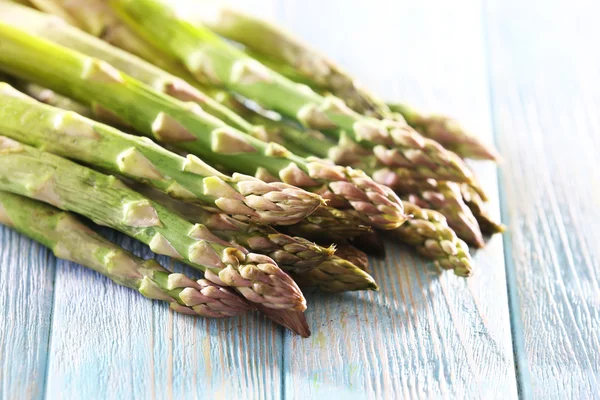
305	261
106	201
336	275
289	53
216	62
430	234
71	135
292	254
61	33
446	198
92	81
447	132
474	201
296	60
71	240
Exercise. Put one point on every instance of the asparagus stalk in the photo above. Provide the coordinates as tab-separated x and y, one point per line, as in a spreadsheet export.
106	201
443	196
59	32
307	262
446	131
96	18
292	58
215	62
446	198
474	201
336	275
292	254
71	135
283	49
71	240
326	225
354	255
430	234
92	81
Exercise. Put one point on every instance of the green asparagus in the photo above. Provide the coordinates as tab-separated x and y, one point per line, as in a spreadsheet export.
71	135
91	81
284	49
299	62
215	62
447	132
306	262
446	198
336	275
292	254
443	196
106	201
71	240
96	18
58	31
326	225
430	234
474	201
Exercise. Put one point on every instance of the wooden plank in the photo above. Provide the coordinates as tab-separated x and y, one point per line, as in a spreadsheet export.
26	299
110	342
545	94
424	334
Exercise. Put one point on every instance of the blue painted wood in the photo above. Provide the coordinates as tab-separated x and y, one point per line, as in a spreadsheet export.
544	76
110	342
26	298
423	335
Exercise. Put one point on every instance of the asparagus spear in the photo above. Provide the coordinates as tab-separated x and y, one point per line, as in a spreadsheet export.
354	255
474	201
71	135
298	61
92	81
326	225
96	18
71	240
336	275
283	49
447	132
443	196
106	201
430	234
306	262
446	198
58	31
215	62
292	254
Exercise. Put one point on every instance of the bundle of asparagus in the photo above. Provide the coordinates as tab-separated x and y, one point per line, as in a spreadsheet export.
257	159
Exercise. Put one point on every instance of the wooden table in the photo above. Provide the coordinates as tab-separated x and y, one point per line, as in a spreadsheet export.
525	74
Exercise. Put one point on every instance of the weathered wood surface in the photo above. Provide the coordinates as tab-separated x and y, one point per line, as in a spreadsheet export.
545	86
423	335
530	68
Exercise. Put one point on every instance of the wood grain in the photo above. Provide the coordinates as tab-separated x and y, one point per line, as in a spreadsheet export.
545	93
423	335
110	342
26	297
